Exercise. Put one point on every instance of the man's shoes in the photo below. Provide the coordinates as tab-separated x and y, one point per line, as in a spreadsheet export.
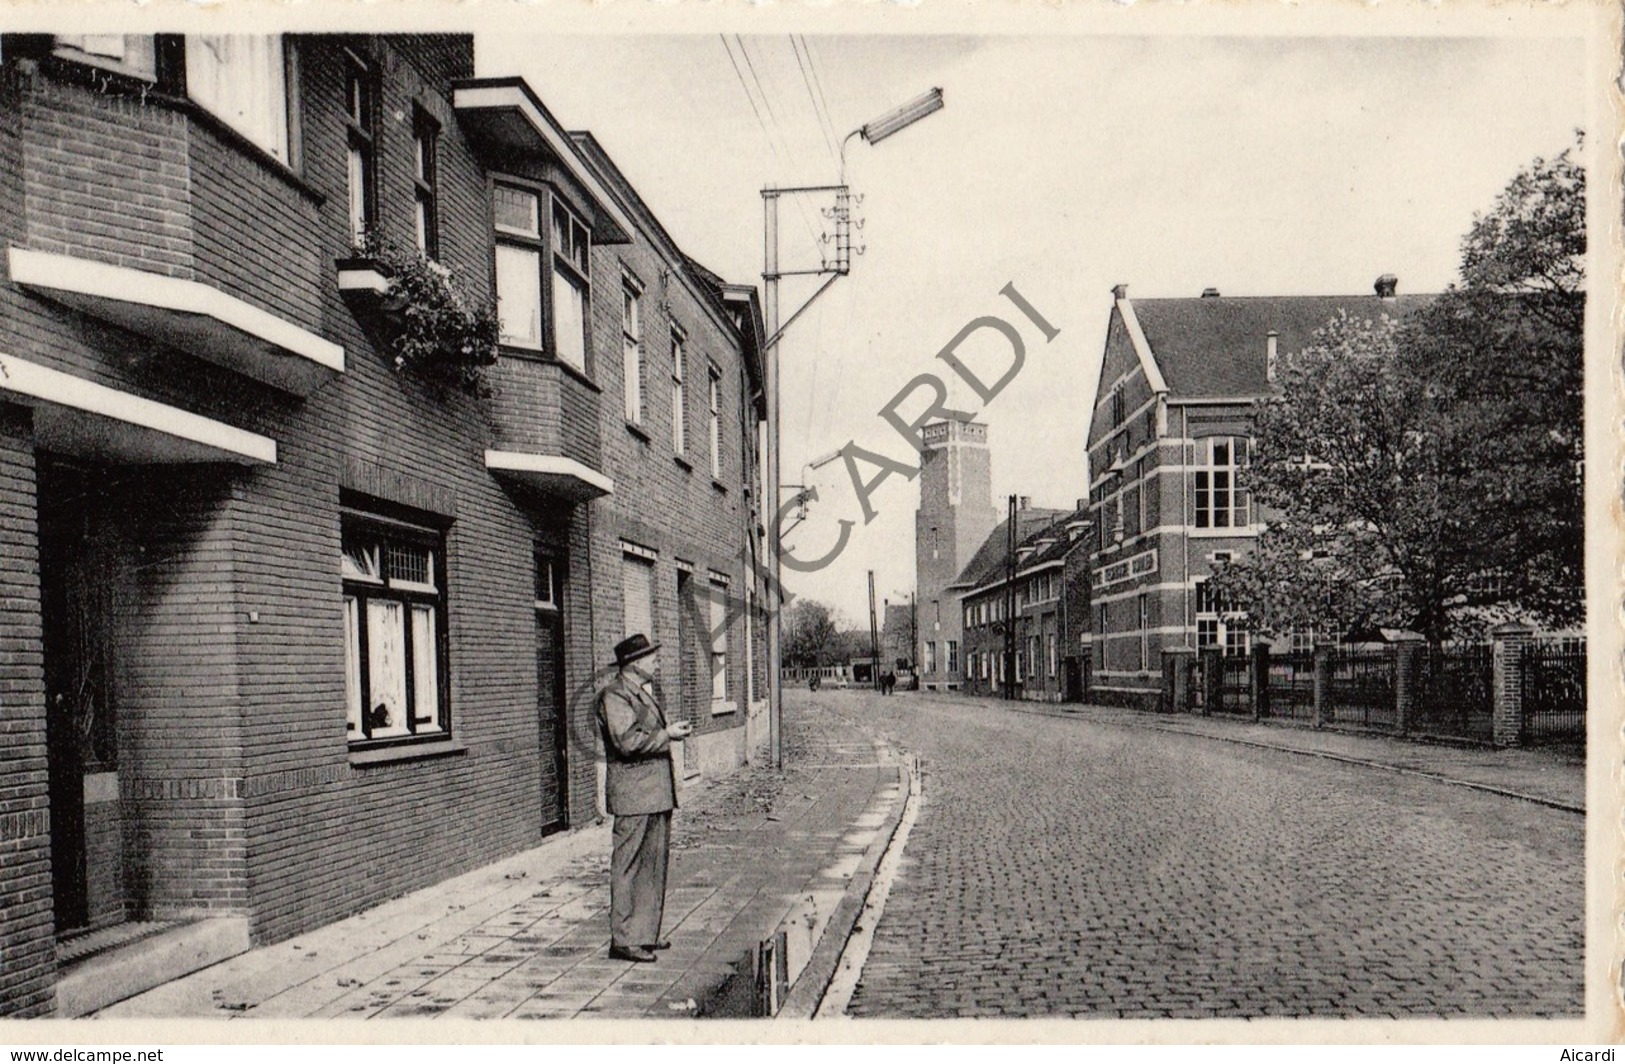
631	953
664	943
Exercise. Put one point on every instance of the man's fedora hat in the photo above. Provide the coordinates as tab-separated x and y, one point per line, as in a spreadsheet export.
632	648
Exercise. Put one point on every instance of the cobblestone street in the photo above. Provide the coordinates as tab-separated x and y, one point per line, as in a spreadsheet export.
1072	867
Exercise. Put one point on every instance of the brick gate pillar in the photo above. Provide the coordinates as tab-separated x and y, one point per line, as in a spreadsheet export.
1176	678
1507	657
1408	647
1323	682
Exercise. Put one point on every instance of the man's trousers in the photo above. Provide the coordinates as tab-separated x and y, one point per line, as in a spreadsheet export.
637	878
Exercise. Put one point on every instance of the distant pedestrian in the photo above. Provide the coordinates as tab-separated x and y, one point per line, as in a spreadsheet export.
640	791
888	681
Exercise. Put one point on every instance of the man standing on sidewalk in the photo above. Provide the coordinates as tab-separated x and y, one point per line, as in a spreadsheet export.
640	791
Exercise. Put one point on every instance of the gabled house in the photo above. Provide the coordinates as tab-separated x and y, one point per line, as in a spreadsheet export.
1170	431
1048	592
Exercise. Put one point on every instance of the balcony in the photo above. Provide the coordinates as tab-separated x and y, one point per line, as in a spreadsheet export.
191	316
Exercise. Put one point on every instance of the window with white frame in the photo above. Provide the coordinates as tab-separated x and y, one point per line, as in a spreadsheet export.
394	630
930	656
952	656
1219	502
425	182
241	80
1217	626
679	394
519	266
571	242
719	638
632	350
1054	658
521	250
714	395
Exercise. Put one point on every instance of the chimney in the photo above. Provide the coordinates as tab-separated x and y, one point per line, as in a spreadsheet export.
1386	286
1269	355
1210	293
1120	291
1023	501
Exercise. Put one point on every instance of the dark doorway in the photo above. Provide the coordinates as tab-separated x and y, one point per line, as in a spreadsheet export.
550	717
79	578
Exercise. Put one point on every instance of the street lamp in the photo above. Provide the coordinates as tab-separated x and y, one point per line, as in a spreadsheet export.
888	124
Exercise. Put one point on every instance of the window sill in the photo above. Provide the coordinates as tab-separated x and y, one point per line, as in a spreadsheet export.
411	752
687	466
1238	532
638	430
719	485
720	708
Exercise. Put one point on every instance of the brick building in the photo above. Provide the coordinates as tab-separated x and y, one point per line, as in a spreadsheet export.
1170	430
955	516
1050	607
273	604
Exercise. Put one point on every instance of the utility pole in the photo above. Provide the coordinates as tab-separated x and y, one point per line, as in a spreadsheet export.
770	374
835	265
1010	603
874	633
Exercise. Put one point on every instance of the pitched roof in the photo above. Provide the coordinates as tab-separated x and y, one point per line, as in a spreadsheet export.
1215	347
989	560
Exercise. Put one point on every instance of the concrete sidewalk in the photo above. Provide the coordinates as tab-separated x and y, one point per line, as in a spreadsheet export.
527	938
1550	777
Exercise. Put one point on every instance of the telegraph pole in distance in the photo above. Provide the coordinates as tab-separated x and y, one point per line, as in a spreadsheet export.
1010	602
874	633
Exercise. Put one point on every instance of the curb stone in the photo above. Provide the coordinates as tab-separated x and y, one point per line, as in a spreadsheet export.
808	990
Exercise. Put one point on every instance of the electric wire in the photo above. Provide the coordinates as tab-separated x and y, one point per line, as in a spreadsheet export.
812	97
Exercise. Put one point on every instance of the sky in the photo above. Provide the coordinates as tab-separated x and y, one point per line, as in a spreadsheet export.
1061	165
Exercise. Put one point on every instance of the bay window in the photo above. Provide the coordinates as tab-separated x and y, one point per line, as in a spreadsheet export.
520	252
394	631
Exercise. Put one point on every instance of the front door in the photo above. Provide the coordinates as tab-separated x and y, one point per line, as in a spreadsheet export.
550	719
78	582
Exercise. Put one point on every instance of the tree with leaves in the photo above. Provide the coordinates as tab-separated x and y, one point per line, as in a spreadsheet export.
1426	474
809	634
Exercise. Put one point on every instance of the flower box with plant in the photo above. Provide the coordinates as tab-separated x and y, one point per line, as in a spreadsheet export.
432	325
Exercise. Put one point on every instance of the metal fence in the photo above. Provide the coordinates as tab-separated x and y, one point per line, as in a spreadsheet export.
1455	692
1361	691
1292	686
1554	692
1234	693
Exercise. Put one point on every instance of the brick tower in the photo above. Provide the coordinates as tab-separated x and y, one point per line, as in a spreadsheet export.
955	517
